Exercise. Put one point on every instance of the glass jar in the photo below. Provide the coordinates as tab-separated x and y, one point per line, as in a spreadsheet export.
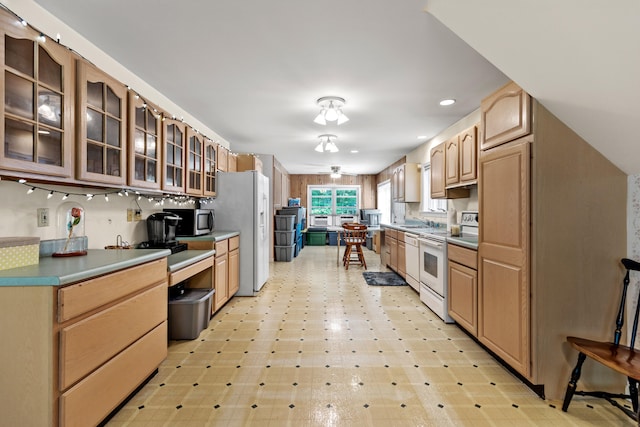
70	223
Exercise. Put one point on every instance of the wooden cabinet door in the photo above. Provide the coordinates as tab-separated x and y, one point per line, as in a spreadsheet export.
505	116
463	296
504	307
234	272
223	159
402	258
232	161
452	162
37	87
144	136
468	149
101	154
195	163
221	269
277	189
437	172
393	254
401	183
210	168
173	147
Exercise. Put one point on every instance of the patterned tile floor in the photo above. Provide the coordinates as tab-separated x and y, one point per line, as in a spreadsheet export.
319	347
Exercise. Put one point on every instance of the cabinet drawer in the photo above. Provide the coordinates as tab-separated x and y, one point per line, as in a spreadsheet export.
85	296
389	232
93	398
92	341
463	256
222	247
234	243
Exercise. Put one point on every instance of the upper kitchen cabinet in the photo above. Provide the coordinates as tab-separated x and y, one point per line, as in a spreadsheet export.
440	170
37	87
232	162
209	174
406	183
174	141
195	163
505	116
452	162
100	127
144	152
223	159
247	162
468	156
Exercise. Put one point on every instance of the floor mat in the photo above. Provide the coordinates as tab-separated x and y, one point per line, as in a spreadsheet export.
383	278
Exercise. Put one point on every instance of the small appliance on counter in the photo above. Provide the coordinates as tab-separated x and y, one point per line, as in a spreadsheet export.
161	232
370	217
194	222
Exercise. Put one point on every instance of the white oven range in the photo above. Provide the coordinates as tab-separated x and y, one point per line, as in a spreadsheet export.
433	273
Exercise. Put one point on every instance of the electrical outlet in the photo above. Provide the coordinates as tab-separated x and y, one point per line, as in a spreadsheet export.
137	215
129	215
43	217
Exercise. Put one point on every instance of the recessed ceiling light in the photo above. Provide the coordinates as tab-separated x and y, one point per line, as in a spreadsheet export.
354	151
446	102
422	136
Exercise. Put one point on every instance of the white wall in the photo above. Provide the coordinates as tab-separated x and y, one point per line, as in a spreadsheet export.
103	220
633	241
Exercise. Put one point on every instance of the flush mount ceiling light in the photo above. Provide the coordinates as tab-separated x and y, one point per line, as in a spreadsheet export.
331	110
446	102
326	143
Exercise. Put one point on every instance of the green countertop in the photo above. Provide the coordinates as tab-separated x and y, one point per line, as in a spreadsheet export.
61	271
185	258
214	236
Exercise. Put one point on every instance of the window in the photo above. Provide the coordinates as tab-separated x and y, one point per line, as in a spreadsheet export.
429	204
334	200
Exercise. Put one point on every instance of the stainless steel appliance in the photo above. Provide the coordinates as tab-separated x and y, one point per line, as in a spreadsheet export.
412	260
242	203
370	217
195	222
433	273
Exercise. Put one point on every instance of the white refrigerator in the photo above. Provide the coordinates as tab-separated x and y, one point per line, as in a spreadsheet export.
242	203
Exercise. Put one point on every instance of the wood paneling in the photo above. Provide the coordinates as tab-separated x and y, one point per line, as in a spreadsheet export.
368	187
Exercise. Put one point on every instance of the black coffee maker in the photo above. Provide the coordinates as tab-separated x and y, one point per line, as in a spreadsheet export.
161	229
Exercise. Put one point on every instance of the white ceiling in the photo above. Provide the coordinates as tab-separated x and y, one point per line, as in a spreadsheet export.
251	70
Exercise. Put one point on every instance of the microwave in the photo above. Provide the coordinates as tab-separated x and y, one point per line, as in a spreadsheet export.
193	222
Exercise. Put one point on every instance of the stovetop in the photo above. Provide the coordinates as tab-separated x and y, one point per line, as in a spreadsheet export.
175	247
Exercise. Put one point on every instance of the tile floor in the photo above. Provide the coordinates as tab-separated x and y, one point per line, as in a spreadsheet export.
319	347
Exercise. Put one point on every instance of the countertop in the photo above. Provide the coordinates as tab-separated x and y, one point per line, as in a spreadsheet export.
184	259
62	271
467	241
214	236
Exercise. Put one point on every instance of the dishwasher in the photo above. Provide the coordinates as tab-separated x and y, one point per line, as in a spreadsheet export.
412	263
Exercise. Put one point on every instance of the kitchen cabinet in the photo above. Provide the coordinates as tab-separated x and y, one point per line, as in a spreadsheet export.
461	156
438	172
210	168
37	89
541	242
174	141
406	183
101	154
232	161
144	126
401	257
391	245
505	116
195	163
463	287
223	158
246	162
81	349
226	267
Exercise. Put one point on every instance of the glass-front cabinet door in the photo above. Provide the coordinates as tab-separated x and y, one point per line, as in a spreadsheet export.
195	162
210	156
144	137
173	145
37	87
101	127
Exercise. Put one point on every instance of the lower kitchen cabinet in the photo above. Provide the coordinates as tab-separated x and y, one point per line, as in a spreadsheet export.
402	257
391	240
463	287
234	265
77	351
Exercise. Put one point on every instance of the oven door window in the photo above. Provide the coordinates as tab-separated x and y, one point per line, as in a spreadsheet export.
430	264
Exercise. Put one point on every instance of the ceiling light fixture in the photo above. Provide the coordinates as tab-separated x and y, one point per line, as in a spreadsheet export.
331	110
335	172
446	102
326	143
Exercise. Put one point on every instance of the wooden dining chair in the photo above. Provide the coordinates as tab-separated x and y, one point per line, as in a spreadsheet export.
620	358
355	236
